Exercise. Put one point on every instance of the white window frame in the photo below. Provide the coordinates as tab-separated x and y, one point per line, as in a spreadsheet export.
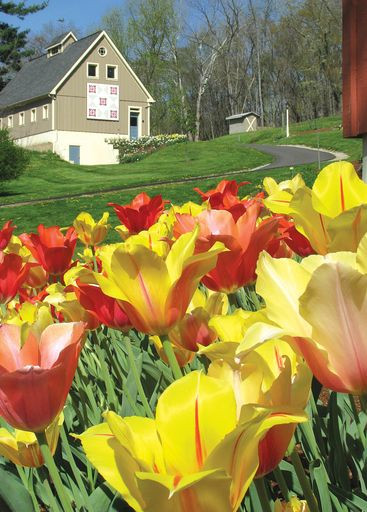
33	115
136	109
45	113
21	118
10	121
116	68
105	49
97	70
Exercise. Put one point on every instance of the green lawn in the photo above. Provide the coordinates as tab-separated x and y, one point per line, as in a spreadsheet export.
49	176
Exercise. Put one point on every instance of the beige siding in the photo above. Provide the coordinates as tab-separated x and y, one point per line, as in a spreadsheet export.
68	41
242	125
29	128
71	101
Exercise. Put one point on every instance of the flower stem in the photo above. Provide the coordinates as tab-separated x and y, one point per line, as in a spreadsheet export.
279	477
28	486
74	468
167	347
143	398
54	474
304	481
262	494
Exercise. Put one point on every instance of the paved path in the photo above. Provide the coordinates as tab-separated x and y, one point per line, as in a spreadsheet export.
285	156
289	156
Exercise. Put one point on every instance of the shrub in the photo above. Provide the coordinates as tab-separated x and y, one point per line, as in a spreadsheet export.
13	159
133	150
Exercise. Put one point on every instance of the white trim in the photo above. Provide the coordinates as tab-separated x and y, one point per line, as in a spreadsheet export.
115	66
53	99
21	118
62	41
105	51
148	120
87	51
45	113
10	121
135	109
96	77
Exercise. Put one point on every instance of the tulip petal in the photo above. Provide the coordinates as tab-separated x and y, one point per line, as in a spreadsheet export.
338	188
200	492
347	229
193	415
113	462
309	222
180	251
362	256
139	437
55	338
281	282
338	322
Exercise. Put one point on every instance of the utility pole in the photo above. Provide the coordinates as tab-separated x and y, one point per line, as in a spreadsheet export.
355	74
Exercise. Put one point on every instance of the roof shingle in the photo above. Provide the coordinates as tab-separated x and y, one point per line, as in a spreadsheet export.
39	76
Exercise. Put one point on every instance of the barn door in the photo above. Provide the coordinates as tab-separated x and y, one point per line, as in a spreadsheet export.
74	154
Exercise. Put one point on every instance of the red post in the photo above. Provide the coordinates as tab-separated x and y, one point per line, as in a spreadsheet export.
354	68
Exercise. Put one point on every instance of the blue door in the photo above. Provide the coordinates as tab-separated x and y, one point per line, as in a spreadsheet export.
134	125
74	154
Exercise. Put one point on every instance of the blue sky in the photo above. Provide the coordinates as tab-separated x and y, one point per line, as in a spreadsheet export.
84	14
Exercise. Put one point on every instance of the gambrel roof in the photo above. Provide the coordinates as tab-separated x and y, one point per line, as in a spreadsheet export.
43	75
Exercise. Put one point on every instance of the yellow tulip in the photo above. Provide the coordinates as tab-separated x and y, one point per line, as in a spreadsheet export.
294	505
195	455
281	194
22	447
326	309
155	292
89	231
30	317
155	238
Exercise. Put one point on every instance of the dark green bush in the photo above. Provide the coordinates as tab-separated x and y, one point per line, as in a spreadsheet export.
13	159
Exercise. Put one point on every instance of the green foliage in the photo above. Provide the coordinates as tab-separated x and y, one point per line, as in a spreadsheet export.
13	40
13	158
136	149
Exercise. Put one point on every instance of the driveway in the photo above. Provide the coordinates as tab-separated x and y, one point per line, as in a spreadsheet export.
290	156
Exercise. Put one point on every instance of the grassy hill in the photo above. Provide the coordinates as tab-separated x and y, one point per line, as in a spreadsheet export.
48	176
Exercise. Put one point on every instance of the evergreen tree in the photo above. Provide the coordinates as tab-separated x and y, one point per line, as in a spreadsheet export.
13	40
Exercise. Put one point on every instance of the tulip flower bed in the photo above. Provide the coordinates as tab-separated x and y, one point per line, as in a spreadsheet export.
214	360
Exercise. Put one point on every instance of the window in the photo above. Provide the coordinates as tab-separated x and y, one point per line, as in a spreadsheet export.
102	51
45	112
111	72
10	121
55	50
21	118
92	70
33	115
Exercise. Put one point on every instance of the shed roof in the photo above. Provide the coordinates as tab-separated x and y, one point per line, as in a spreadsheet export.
239	116
26	85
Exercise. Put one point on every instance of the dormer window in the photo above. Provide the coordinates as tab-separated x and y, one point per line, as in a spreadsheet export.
92	70
55	50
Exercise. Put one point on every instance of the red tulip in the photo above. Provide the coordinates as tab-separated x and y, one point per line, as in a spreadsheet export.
245	239
52	249
35	378
141	213
13	273
294	239
225	197
5	234
106	309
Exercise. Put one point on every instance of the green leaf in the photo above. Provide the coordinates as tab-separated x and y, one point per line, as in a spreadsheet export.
14	494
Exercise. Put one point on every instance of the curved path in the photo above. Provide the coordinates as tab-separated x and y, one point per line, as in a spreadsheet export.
289	156
285	156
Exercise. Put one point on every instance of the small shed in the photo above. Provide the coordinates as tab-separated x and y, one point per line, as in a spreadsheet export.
245	122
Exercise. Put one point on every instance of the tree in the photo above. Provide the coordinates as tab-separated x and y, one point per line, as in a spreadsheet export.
38	41
12	40
13	159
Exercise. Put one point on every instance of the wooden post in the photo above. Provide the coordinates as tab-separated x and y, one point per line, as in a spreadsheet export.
355	73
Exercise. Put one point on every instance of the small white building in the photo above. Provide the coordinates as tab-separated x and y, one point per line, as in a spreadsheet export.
245	122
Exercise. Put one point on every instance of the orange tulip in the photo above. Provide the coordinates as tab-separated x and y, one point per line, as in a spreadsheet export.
5	234
35	377
225	197
51	248
13	273
245	239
